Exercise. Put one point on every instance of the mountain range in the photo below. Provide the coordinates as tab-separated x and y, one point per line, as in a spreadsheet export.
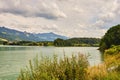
15	35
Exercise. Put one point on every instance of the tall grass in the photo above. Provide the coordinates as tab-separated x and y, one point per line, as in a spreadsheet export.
73	68
97	72
109	69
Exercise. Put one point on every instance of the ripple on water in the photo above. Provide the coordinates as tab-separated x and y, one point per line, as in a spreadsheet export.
10	76
7	74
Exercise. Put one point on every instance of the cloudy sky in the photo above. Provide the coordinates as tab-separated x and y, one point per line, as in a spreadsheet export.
72	18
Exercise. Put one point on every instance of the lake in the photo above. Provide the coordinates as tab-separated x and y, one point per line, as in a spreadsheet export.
14	58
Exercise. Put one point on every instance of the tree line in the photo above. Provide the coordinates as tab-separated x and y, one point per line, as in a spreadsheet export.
58	42
29	43
77	42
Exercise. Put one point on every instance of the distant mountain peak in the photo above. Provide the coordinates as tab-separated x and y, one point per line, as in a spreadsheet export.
13	35
51	33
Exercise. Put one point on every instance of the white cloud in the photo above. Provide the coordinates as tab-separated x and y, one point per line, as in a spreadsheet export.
108	15
73	18
77	9
31	9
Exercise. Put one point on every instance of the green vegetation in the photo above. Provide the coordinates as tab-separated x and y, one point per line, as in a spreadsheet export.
112	62
112	37
112	57
73	68
77	42
2	41
58	42
110	45
29	43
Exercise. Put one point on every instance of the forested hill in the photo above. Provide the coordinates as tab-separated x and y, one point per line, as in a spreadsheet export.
77	42
111	37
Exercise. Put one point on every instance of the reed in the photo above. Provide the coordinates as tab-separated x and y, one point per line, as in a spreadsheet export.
66	68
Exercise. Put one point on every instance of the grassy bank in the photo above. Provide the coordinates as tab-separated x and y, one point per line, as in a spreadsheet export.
109	69
74	68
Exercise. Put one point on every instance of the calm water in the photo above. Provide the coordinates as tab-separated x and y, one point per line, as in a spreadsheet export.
13	58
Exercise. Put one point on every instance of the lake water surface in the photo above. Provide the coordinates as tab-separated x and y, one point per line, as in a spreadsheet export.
13	58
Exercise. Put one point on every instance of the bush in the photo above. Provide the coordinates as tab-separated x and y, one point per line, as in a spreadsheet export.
112	37
113	50
73	68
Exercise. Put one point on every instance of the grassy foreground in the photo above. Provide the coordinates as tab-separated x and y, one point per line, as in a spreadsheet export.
74	68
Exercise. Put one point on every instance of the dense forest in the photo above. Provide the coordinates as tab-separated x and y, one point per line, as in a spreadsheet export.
29	43
77	42
58	42
111	37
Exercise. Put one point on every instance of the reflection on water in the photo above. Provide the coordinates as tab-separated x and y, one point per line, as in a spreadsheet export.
13	58
8	48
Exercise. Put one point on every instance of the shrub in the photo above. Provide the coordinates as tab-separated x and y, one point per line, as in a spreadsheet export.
112	56
113	50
